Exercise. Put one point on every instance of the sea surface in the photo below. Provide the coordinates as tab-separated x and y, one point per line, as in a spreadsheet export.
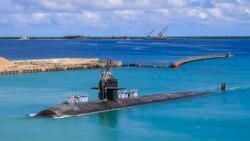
218	116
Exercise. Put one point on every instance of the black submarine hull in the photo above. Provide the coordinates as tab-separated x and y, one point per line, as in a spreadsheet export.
102	106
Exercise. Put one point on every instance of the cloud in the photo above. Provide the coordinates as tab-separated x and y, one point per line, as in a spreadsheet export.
198	14
177	3
51	5
91	17
10	7
109	14
128	15
216	12
247	11
38	17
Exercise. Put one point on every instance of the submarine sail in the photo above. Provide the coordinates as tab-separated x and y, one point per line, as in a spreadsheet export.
108	84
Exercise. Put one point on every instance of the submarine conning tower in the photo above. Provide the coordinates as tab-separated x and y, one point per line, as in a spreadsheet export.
108	85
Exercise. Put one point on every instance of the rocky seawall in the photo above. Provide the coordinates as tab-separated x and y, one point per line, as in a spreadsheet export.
47	65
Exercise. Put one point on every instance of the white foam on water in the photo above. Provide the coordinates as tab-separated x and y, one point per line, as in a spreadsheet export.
157	43
134	43
238	88
139	48
116	109
32	114
125	42
234	88
64	116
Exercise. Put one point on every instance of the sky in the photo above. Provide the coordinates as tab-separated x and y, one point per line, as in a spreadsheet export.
124	17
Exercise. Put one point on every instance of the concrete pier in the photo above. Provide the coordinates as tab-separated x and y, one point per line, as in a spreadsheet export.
47	65
178	63
102	106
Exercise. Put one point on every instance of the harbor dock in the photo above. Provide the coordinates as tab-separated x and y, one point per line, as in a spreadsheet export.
48	65
178	63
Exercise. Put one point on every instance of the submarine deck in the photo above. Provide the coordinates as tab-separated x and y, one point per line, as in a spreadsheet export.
102	106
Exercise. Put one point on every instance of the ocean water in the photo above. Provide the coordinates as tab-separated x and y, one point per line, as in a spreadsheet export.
218	116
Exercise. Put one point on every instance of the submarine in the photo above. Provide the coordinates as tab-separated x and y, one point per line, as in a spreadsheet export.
109	99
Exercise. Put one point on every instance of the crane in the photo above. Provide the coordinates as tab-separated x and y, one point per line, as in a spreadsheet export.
149	34
161	34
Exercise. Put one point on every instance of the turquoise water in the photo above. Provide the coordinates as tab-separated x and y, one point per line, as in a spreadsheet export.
219	116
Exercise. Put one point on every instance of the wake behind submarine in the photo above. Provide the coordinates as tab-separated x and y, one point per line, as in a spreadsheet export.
110	99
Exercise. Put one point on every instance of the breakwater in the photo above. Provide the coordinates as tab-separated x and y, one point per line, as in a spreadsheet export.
102	106
143	65
180	62
48	65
